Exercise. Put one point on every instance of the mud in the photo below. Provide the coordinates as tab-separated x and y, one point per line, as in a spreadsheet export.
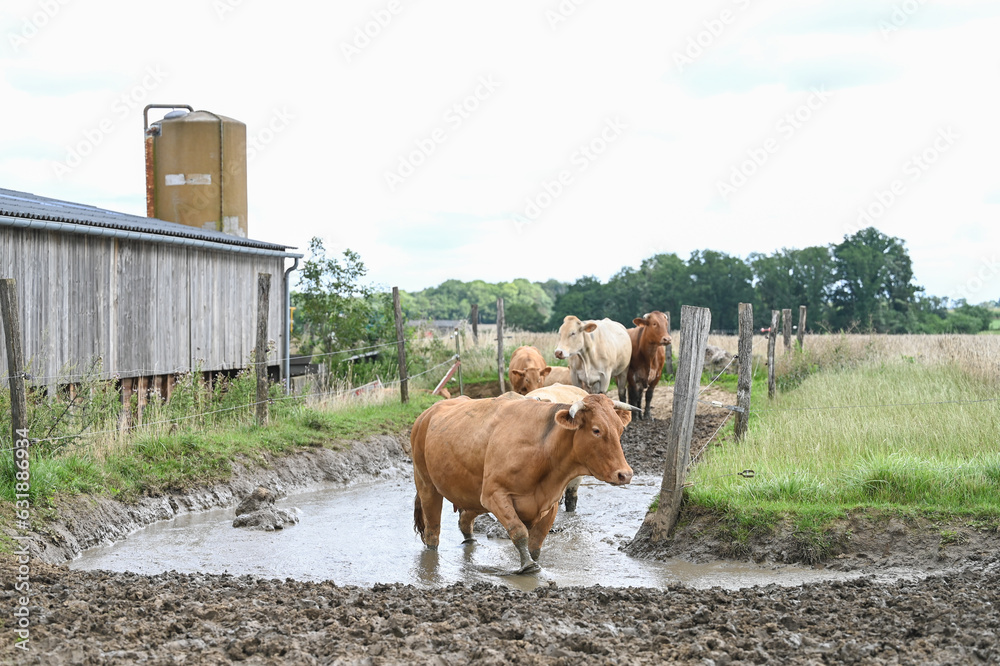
949	616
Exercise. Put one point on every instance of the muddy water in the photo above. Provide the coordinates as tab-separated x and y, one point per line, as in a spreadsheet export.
363	534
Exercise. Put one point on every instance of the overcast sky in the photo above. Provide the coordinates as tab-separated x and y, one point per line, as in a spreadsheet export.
538	139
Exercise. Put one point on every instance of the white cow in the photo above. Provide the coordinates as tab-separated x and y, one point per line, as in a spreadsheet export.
597	351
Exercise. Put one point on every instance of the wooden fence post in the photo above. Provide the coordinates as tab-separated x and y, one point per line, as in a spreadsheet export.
669	350
474	319
260	353
500	361
786	327
772	339
11	317
744	362
404	393
802	325
695	323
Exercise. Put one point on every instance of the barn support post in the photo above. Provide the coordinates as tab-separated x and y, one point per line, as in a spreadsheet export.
786	328
744	363
474	320
11	317
801	333
669	350
772	339
404	391
695	324
260	352
500	362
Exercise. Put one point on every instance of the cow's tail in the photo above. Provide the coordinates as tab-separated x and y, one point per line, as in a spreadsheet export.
418	516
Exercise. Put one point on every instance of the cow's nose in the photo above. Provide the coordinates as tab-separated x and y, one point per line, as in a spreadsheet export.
559	353
624	476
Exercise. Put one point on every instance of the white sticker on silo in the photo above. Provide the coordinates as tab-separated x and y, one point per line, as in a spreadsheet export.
192	179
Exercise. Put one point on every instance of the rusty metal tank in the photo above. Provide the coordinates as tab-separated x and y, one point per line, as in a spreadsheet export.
196	169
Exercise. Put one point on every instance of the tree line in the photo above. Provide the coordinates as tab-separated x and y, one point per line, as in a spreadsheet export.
864	283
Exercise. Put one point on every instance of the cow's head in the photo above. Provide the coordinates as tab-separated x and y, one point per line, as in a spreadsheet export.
597	445
655	330
529	379
571	336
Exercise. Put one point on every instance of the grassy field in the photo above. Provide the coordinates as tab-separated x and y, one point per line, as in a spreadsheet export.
890	425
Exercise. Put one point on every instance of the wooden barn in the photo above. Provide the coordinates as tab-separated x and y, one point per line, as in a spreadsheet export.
144	297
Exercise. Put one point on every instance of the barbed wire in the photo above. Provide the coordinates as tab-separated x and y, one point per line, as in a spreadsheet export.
890	404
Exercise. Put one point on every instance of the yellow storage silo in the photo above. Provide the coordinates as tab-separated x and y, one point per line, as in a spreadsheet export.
196	170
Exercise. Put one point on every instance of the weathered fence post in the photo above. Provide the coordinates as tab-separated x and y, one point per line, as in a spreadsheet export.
695	323
786	327
744	362
474	319
400	346
260	353
772	339
500	362
11	317
669	350
802	325
458	356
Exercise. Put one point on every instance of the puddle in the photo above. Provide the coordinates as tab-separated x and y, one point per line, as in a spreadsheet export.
363	534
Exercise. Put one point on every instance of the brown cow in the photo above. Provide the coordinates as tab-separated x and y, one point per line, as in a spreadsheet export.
649	338
527	370
563	393
511	457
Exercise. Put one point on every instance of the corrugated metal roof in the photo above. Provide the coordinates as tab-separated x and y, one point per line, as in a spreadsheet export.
32	206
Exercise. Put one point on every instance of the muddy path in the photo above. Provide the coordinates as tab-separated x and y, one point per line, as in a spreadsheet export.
949	616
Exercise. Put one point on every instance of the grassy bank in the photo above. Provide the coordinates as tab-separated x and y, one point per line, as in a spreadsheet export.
862	430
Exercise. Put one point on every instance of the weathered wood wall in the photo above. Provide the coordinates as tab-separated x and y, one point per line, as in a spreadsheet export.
143	308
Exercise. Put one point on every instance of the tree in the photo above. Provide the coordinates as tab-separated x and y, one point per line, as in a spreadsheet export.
334	310
874	287
720	282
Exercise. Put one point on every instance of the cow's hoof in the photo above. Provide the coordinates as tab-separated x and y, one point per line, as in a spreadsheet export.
528	569
469	540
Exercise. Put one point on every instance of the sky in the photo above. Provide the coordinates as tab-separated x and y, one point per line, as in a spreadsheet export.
537	139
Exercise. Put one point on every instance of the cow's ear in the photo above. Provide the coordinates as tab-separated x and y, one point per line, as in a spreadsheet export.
590	327
516	373
545	371
563	419
625	415
639	321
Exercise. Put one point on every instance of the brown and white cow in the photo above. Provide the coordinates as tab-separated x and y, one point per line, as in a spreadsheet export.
527	370
597	351
649	340
511	457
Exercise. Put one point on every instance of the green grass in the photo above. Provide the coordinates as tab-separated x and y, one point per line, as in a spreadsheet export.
854	438
154	462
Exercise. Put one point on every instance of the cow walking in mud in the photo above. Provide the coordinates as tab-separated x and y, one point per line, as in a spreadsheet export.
512	457
596	352
650	338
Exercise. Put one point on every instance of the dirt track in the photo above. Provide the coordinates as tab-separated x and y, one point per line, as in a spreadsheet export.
98	617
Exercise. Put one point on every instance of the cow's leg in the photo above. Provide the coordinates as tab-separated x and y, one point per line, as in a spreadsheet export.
466	518
430	504
571	493
501	506
649	400
540	530
622	381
